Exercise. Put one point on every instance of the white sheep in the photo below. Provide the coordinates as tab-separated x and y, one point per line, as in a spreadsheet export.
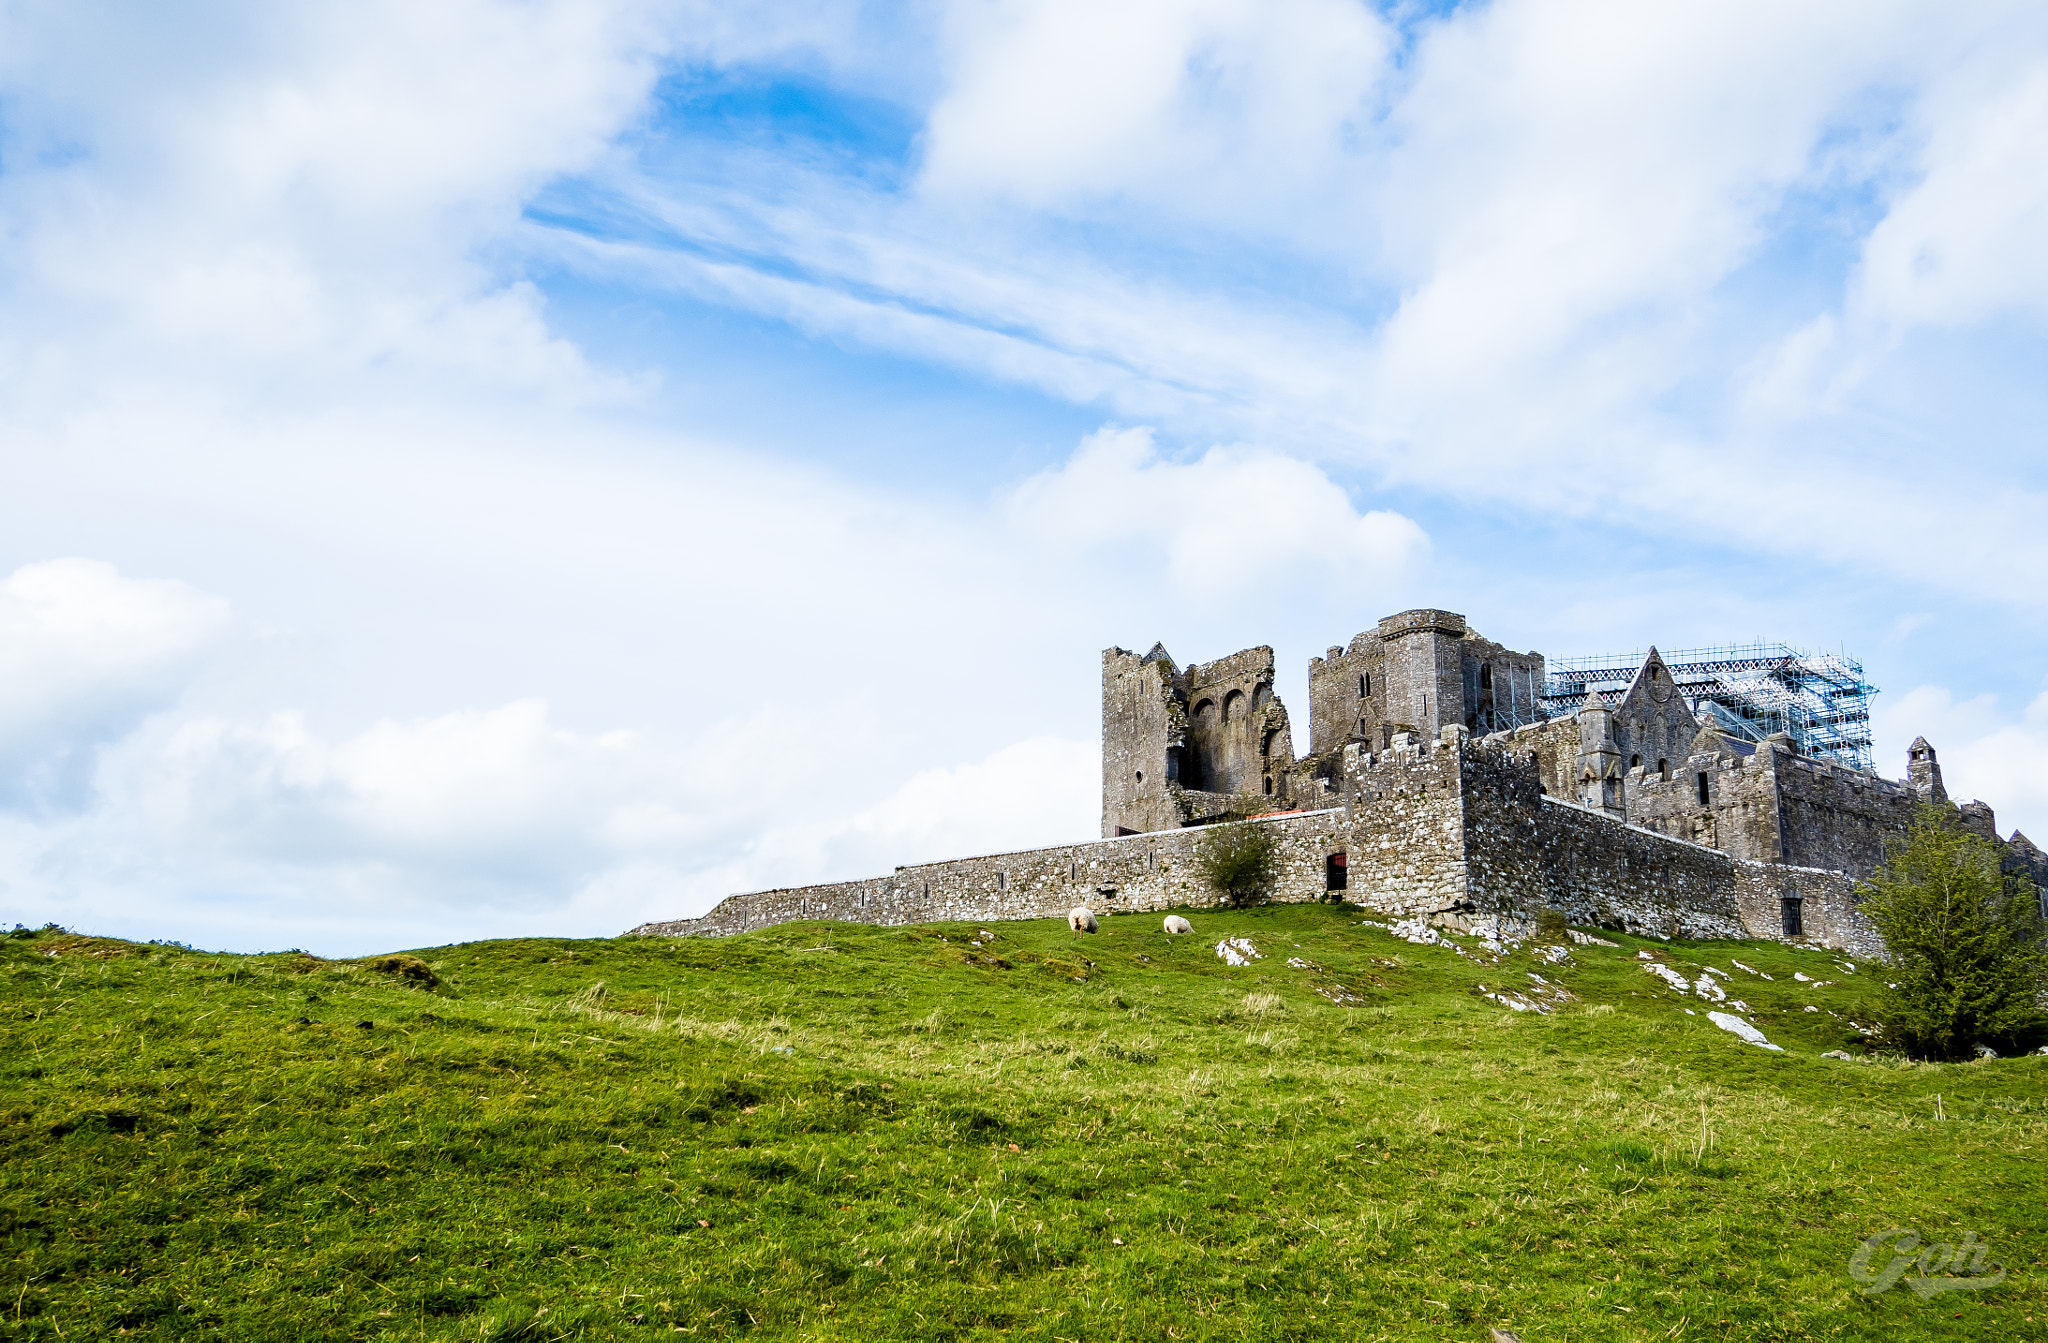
1176	924
1082	919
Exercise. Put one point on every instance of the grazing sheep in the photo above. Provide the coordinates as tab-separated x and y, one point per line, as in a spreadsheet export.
1082	919
1176	924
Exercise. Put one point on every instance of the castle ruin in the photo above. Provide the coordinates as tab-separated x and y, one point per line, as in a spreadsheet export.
1443	779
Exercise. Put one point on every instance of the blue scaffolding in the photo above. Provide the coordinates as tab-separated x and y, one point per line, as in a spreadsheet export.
1748	690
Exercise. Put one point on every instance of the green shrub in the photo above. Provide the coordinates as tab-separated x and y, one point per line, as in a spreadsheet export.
1550	924
1237	859
1964	938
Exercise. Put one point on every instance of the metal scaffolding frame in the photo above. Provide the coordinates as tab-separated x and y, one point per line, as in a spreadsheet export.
1748	690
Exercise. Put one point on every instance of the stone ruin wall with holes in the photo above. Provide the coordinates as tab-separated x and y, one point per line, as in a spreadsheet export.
1419	783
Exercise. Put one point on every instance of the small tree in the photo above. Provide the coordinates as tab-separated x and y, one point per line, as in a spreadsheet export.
1237	858
1964	938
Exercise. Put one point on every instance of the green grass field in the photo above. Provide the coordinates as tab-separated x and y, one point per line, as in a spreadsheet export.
834	1131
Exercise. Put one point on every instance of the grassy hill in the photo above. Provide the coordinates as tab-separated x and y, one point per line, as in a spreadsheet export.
832	1131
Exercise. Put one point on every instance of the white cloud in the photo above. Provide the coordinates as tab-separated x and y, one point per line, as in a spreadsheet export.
288	195
1554	262
1036	792
85	656
1964	243
497	797
1227	106
1224	524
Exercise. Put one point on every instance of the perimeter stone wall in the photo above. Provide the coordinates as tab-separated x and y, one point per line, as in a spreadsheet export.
1111	876
1448	829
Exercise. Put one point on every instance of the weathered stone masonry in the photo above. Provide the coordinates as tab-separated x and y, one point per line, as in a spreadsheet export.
1419	800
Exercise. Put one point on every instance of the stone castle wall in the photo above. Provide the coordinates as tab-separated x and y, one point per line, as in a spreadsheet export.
1144	732
1525	848
1406	829
1773	806
1130	874
1624	814
1453	829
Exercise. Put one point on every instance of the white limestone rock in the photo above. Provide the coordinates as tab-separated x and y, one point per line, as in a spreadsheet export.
1417	931
1741	1029
1669	976
1238	951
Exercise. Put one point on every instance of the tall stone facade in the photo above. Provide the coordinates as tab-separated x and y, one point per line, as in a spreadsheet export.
1183	747
1435	786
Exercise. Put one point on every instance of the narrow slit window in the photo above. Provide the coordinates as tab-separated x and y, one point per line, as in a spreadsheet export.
1703	787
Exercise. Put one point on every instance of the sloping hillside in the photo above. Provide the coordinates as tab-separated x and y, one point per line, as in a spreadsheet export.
827	1131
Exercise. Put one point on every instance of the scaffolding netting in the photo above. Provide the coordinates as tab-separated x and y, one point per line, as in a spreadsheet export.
1749	690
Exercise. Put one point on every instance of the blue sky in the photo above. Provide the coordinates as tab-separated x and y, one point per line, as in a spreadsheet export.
535	467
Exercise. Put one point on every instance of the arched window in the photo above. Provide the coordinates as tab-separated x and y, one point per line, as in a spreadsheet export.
1635	762
1365	686
1663	768
1269	785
